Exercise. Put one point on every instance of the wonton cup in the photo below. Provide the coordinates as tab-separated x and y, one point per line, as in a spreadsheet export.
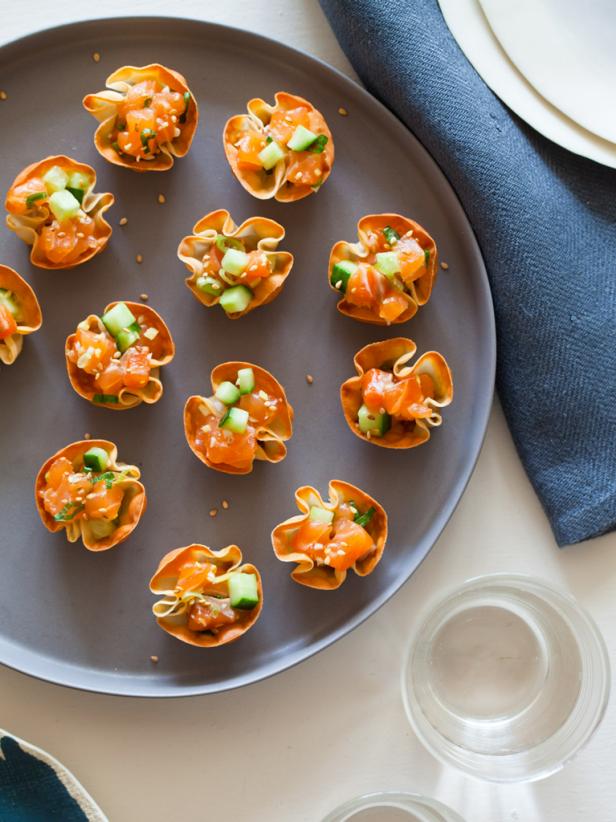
104	106
417	293
270	438
133	506
27	223
162	348
257	233
30	316
394	355
265	186
323	577
171	612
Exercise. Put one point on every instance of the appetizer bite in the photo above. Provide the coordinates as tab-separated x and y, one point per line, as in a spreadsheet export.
247	418
329	538
285	151
209	597
20	313
147	117
388	274
53	208
86	492
238	268
115	360
391	403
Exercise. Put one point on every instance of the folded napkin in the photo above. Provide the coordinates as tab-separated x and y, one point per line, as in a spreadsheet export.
35	787
545	220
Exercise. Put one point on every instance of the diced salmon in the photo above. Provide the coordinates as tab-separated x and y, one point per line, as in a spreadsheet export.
350	543
92	351
111	381
406	400
250	145
259	267
67	241
412	259
210	614
375	383
392	306
259	412
136	366
365	286
193	576
58	470
312	537
8	324
226	447
16	201
306	168
102	502
283	123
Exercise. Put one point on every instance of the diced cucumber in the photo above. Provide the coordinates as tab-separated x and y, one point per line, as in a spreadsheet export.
388	263
64	205
102	528
270	155
77	179
209	285
246	380
7	299
96	458
127	337
223	243
235	299
301	138
318	514
236	420
227	393
235	261
118	318
373	422
341	273
243	591
55	179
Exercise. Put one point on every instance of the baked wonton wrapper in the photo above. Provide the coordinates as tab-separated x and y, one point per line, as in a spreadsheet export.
256	181
322	576
105	104
133	504
29	319
162	348
394	356
171	611
369	232
257	234
270	438
28	222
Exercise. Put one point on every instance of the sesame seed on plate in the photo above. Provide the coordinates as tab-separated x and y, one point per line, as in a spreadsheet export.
139	258
309	379
225	504
343	112
86	436
96	57
123	221
154	658
162	199
144	297
213	512
3	95
444	266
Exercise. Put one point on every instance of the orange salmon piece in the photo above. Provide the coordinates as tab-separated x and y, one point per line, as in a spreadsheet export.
135	364
8	324
364	287
392	306
353	540
226	447
311	534
193	576
375	384
207	616
103	502
283	123
248	151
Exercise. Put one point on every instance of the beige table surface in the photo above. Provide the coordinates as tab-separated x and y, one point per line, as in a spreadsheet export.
279	750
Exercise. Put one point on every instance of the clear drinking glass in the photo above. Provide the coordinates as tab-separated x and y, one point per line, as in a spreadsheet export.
506	678
392	807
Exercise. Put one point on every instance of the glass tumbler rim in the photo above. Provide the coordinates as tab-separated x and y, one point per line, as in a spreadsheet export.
367	801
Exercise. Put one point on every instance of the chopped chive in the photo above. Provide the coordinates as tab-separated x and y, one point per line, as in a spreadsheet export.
427	255
318	147
109	398
40	195
121	125
69	511
391	235
182	117
116	147
108	478
146	135
364	519
224	419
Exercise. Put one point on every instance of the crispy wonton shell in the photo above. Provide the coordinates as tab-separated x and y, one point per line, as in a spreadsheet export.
162	347
322	576
270	440
104	106
26	227
395	354
170	614
32	318
420	288
130	512
265	235
262	186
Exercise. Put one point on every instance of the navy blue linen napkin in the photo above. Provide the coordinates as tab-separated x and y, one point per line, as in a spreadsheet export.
545	220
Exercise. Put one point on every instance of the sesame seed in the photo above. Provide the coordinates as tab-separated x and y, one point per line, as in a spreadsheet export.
317	172
61	234
339	284
139	258
144	297
128	146
343	112
154	659
80	234
225	504
213	512
87	436
444	266
368	434
162	199
3	95
309	379
123	221
381	410
96	57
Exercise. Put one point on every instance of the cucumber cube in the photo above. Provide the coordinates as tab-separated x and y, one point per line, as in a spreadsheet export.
235	299
227	393
372	422
7	299
55	179
118	318
64	205
96	458
243	591
209	285
388	263
301	139
318	514
102	528
341	273
235	261
77	179
270	155
246	380
236	420
127	337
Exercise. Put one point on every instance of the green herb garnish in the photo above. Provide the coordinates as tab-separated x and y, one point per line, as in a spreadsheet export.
77	193
391	235
116	147
146	135
110	398
121	125
364	519
182	117
33	198
427	255
318	147
269	139
69	511
224	418
107	477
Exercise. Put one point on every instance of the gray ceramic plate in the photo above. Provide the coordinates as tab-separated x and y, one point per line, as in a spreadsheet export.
84	620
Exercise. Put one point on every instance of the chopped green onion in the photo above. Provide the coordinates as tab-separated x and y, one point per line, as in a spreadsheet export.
108	398
269	139
427	255
223	243
364	519
33	198
182	117
116	147
69	511
108	478
146	135
224	418
318	147
391	235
